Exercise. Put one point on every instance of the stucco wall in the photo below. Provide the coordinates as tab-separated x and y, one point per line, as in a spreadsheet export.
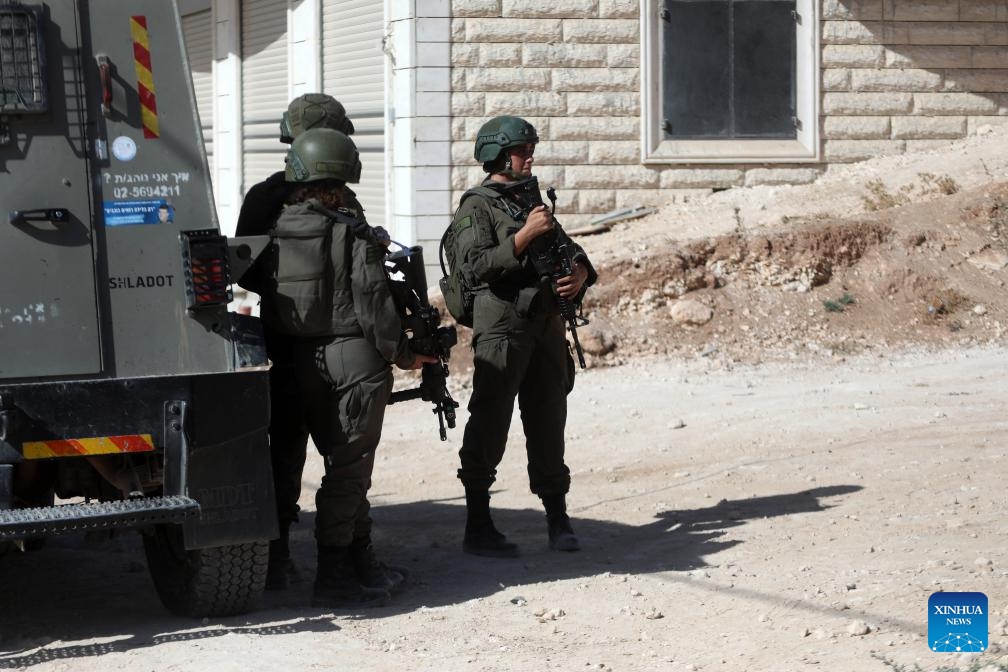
896	76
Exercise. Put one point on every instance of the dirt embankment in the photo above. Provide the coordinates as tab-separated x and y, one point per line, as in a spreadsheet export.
889	252
927	273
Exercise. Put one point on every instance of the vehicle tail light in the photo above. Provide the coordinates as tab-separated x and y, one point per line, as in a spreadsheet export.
207	273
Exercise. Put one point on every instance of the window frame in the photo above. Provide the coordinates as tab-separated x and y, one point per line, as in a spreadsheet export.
805	148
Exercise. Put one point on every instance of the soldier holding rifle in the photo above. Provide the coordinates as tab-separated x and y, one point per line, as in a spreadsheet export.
518	336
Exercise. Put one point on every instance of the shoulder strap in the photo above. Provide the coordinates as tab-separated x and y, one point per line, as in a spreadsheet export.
440	249
475	191
358	227
486	192
481	191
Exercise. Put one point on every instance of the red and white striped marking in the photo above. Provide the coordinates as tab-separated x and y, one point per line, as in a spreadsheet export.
99	445
145	76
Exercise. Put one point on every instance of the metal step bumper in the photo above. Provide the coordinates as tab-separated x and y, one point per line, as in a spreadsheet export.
67	518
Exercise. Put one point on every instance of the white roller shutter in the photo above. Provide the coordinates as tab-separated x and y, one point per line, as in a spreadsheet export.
198	31
264	87
353	72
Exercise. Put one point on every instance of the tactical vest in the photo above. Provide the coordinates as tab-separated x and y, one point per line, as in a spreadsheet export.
310	261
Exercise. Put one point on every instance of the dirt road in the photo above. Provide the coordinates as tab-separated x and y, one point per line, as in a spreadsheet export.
782	517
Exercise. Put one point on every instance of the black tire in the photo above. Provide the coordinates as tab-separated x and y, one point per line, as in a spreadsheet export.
218	581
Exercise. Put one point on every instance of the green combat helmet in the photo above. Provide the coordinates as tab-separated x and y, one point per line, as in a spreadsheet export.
323	154
501	133
313	110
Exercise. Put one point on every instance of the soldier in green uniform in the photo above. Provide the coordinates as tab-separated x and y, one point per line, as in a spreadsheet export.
263	202
519	341
343	376
288	430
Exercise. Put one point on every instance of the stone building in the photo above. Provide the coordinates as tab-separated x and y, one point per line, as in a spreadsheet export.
638	102
602	81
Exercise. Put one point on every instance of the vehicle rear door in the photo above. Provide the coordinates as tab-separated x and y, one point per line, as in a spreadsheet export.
48	308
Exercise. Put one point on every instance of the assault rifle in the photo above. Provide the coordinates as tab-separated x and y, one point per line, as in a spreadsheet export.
423	322
551	255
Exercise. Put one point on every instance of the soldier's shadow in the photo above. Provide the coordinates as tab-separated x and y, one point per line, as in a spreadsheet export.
73	592
425	538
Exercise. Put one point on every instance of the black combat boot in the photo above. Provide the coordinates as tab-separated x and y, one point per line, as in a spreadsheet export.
481	537
371	572
561	534
281	571
337	585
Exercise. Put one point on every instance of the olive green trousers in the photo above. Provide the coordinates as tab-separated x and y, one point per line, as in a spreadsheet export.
345	385
521	357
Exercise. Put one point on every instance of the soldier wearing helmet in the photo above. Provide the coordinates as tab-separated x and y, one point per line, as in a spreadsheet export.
519	341
288	430
313	110
343	378
263	201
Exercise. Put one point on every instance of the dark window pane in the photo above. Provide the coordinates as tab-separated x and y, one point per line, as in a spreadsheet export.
728	68
764	69
696	69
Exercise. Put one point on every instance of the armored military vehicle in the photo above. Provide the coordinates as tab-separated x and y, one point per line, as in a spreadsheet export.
129	396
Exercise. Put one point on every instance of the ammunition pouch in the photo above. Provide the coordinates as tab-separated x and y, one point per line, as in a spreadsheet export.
526	300
458	300
525	303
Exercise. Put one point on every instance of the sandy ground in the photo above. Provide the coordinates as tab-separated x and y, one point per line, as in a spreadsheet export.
776	517
773	486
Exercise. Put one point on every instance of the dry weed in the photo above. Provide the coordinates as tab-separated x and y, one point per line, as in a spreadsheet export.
880	198
937	184
944	303
998	215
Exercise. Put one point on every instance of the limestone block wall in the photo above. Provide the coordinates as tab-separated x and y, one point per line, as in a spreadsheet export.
572	68
896	76
903	75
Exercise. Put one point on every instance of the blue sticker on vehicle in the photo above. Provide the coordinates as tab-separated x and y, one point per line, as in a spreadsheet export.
126	213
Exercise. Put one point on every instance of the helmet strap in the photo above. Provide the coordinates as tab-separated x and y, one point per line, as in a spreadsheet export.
511	175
